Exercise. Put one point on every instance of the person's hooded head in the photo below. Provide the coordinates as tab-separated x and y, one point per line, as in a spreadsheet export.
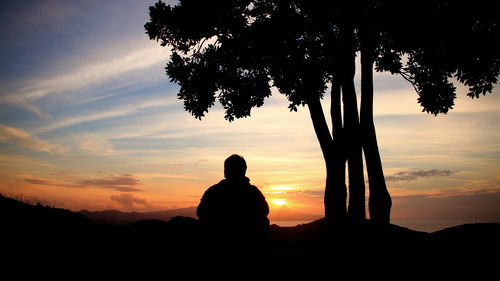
235	167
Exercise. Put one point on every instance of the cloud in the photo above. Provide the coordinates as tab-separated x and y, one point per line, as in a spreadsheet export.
39	182
23	138
123	183
474	204
92	72
19	101
113	112
21	161
164	176
128	200
36	14
95	144
46	182
313	193
415	175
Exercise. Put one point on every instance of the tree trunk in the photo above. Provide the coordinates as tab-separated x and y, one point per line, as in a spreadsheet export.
336	196
335	191
379	203
354	151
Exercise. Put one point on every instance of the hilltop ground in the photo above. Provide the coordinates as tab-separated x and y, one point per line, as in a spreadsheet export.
54	240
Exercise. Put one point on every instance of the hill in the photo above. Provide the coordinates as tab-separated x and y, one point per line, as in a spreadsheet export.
115	217
21	215
57	239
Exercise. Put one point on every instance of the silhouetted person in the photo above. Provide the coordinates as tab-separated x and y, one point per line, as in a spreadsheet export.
234	211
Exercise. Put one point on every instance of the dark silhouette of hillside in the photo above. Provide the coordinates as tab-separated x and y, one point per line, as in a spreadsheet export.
116	217
25	216
59	240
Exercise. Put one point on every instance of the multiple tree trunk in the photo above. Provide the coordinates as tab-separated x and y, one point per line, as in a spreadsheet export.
312	36
351	135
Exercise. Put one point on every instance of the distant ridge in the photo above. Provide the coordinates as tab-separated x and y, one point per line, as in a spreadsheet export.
115	217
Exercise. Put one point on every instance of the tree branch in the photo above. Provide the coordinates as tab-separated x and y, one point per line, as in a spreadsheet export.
320	126
408	78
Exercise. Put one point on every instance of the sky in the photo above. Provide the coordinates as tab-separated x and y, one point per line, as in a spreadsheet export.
89	120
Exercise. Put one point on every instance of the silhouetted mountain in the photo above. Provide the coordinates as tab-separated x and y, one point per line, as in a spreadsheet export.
21	215
115	217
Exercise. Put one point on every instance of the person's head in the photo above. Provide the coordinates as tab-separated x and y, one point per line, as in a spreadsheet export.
235	167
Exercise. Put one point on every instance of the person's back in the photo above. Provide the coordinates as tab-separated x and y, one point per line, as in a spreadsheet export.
233	209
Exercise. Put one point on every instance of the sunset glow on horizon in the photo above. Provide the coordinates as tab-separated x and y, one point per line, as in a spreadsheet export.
278	201
89	120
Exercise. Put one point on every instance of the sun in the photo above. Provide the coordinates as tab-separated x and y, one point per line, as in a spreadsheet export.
278	202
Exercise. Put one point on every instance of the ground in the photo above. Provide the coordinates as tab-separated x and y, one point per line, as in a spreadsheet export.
55	240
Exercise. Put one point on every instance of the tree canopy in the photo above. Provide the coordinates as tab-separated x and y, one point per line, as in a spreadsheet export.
234	51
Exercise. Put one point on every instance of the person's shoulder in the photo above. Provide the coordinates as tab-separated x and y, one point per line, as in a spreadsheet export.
216	187
254	188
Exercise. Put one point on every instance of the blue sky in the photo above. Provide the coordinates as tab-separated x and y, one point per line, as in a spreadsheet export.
87	112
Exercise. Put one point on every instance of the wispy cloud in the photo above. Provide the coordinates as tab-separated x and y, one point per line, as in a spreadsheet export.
123	183
45	182
128	200
92	73
95	144
164	176
21	102
111	113
21	161
38	13
415	175
22	138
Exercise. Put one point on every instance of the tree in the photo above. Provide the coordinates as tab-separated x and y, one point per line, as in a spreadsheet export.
235	51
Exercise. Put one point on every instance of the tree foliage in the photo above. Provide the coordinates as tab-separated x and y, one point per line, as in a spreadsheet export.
234	51
433	43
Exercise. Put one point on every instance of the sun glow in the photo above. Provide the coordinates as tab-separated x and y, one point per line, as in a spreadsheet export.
279	202
283	188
